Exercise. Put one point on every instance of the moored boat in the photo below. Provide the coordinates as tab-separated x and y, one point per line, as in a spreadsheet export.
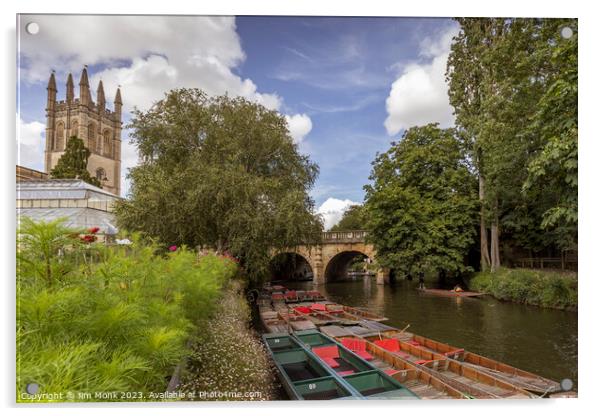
429	365
420	382
295	322
364	314
450	293
368	380
316	317
303	376
520	378
464	378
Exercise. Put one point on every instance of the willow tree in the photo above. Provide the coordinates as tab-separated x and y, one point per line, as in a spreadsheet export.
422	204
222	173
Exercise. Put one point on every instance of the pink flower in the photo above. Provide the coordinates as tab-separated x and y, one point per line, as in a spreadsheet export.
94	230
173	248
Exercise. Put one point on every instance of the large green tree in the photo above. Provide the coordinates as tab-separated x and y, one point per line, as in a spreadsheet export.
74	163
499	72
354	218
219	172
553	173
422	204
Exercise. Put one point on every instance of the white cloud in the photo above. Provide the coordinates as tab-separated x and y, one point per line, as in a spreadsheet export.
299	126
419	95
30	144
332	210
146	56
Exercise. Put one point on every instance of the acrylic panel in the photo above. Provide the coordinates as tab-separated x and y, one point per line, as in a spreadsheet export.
295	208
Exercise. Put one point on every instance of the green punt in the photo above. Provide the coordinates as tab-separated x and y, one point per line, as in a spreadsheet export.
367	380
304	376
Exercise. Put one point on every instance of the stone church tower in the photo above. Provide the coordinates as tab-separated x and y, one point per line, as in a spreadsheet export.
98	127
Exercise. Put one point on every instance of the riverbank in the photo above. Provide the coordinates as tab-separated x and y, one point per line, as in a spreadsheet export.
545	288
228	359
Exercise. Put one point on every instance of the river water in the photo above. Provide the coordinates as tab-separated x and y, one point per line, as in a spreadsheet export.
543	341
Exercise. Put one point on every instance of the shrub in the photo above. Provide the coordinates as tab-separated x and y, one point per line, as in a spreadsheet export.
533	287
119	322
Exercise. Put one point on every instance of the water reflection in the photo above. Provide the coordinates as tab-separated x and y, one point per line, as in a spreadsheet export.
540	340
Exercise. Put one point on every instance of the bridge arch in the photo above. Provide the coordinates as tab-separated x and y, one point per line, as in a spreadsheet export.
290	265
338	265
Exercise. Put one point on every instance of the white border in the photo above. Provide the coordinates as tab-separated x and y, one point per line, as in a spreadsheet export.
590	287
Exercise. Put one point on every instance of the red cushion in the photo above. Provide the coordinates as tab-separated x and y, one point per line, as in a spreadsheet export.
391	371
303	309
318	307
423	361
348	343
331	362
388	344
360	344
328	351
345	373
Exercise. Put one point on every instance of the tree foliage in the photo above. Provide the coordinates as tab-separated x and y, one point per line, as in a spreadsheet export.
74	163
354	218
219	172
118	323
422	203
553	171
513	86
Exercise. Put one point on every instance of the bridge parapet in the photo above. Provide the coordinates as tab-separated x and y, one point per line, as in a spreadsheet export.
354	236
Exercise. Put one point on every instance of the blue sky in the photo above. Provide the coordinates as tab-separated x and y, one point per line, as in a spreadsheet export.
348	86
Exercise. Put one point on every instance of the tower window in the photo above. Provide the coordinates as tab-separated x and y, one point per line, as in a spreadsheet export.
74	129
92	145
107	143
59	138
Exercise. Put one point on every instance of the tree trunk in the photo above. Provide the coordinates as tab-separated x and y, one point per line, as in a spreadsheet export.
485	260
495	244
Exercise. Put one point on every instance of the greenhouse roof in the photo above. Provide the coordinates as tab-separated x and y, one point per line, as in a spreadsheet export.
61	189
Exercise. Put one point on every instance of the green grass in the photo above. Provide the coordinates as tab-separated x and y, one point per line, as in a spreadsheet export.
533	287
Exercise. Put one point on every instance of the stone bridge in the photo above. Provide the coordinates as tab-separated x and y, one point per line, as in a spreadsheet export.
330	260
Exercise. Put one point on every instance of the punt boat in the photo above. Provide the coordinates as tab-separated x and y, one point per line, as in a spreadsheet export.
316	317
363	313
296	322
272	322
520	378
420	382
304	376
370	381
450	293
336	331
462	377
351	312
